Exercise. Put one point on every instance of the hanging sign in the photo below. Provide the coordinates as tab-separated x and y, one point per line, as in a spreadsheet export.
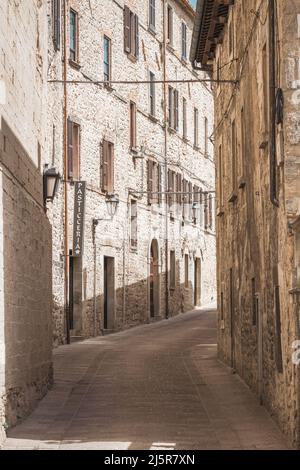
79	211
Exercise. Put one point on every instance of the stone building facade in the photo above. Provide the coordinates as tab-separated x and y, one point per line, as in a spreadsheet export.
133	139
256	45
25	232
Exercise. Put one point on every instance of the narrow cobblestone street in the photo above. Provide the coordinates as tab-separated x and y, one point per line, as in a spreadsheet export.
154	387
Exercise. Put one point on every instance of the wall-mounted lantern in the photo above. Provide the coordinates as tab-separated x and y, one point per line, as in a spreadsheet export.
112	201
51	181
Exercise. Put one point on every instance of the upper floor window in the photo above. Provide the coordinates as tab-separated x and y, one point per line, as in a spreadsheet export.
154	182
196	127
152	93
170	25
132	125
56	18
107	59
73	150
133	224
131	33
173	108
206	136
183	40
152	15
184	118
107	180
73	35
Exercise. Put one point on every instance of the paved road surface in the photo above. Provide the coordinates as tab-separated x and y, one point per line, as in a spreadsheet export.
158	386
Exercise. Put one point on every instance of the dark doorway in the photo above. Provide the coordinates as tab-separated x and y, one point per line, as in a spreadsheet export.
109	293
154	280
197	285
75	295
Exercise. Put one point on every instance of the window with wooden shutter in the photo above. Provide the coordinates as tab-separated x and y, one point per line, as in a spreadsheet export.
127	29
152	93
170	25
131	33
205	136
196	202
107	59
205	211
196	127
184	118
132	125
107	166
152	15
73	150
178	191
171	107
183	41
56	18
150	181
159	184
190	201
176	109
74	35
133	224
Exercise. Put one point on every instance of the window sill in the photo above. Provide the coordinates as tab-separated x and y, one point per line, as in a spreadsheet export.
196	148
133	249
153	118
132	57
108	87
74	64
172	130
152	30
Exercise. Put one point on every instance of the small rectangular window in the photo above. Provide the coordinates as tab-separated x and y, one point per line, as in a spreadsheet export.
172	270
73	35
107	166
196	127
170	25
107	59
73	150
186	271
133	224
56	18
183	41
184	118
132	125
152	15
152	94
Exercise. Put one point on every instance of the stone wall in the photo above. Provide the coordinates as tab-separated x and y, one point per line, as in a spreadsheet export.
103	112
255	246
25	232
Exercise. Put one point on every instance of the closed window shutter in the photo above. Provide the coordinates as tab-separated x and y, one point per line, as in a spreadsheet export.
176	109
126	29
170	106
105	151
137	48
159	184
70	149
190	201
56	23
150	180
111	167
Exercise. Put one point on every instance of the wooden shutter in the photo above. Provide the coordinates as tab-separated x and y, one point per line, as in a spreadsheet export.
205	212
56	23
105	153
170	106
132	125
137	36
126	29
190	201
176	109
159	184
70	150
150	180
111	167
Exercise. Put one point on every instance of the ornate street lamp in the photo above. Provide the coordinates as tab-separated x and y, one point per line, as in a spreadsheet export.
51	181
112	201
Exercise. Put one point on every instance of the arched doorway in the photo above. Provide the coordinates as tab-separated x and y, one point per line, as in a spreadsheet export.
154	280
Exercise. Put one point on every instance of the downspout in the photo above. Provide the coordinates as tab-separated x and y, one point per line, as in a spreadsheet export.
66	236
272	92
166	156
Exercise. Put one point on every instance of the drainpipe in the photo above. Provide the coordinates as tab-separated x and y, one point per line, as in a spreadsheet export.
66	236
166	155
272	131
